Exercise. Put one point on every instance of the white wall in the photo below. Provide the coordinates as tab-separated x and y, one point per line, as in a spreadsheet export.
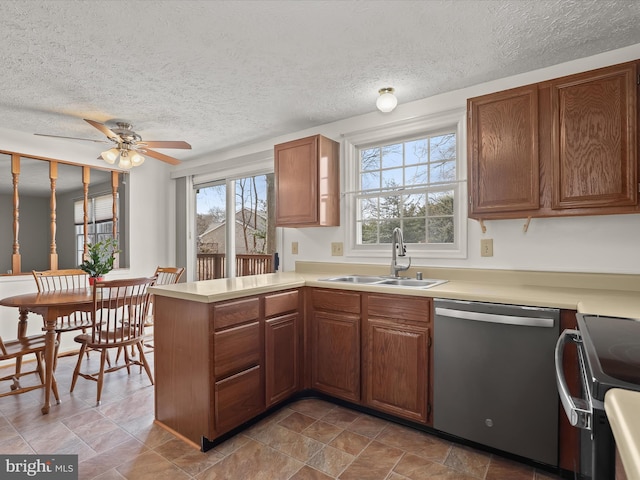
576	244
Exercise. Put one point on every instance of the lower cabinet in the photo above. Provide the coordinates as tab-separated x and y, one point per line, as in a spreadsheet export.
335	343
220	365
238	398
237	363
397	356
282	345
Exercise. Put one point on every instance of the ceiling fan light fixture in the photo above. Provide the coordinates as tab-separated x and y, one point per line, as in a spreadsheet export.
387	101
125	161
110	156
137	159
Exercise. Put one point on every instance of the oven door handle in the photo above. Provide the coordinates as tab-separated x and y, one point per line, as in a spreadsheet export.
578	410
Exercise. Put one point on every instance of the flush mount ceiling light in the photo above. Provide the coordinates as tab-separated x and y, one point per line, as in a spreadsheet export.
387	101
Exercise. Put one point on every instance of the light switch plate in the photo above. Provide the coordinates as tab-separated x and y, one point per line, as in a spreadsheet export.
294	248
486	247
336	249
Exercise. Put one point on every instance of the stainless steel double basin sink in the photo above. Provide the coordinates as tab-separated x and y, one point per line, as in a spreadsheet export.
385	281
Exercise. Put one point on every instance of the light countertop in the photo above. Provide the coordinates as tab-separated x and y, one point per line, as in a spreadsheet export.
622	407
576	292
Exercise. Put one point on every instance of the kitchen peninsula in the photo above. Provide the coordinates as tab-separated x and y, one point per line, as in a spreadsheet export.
229	350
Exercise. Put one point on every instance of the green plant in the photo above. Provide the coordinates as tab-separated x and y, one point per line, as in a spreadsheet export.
100	259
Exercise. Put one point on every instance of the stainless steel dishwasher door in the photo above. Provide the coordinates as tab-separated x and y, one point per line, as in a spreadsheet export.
494	376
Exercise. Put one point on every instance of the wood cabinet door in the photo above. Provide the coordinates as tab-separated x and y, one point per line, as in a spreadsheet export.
296	174
236	349
238	399
504	171
594	139
281	357
397	369
335	355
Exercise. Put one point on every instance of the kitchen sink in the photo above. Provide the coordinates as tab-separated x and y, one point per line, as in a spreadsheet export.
385	281
412	282
353	279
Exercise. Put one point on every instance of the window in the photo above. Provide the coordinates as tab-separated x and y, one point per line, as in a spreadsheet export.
410	177
100	222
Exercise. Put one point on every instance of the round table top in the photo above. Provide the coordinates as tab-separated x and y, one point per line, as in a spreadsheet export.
46	299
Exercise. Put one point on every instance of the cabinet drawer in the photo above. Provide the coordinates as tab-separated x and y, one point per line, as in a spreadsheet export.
238	399
280	303
411	309
234	313
336	301
236	349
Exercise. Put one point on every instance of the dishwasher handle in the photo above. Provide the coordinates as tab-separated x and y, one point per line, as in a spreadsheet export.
496	318
578	410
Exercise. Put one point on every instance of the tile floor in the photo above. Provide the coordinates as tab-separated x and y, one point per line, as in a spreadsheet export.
307	440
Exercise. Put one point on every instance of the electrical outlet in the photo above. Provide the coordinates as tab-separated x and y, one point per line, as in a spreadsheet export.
486	247
336	249
294	248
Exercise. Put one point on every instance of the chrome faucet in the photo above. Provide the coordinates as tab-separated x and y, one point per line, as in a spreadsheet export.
398	250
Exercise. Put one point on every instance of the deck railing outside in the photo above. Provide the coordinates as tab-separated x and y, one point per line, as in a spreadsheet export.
212	265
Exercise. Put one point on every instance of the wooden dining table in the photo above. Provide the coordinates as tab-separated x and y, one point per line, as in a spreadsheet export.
50	305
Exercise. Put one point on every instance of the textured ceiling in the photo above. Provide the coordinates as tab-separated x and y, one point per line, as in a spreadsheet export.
218	74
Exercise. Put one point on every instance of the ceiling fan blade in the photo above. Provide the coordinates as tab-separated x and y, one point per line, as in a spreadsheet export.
71	138
165	144
104	129
160	156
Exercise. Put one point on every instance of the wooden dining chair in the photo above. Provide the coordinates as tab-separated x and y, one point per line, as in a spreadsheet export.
16	350
119	311
164	276
58	280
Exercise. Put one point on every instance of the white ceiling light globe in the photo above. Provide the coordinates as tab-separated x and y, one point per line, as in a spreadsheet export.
387	101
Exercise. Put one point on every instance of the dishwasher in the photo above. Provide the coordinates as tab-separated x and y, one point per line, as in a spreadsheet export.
494	376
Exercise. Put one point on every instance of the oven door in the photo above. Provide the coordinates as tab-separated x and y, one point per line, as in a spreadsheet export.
578	410
597	447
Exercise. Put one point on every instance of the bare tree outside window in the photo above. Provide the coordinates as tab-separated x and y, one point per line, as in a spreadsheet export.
408	185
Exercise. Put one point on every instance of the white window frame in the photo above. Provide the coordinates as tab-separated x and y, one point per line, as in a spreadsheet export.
455	119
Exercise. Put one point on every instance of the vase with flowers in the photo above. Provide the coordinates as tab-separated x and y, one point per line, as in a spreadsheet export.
100	258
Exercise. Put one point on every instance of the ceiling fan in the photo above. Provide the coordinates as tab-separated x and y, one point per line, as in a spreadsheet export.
129	146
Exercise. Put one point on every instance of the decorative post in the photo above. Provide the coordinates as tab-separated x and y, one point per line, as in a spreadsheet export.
114	212
86	178
53	253
15	173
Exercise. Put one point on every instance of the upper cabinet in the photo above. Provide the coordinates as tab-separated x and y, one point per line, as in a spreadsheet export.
307	175
594	138
504	151
563	147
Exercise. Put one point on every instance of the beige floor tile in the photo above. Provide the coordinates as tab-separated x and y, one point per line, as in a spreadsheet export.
410	440
468	461
253	461
297	421
331	461
308	473
418	468
321	431
367	426
151	466
350	442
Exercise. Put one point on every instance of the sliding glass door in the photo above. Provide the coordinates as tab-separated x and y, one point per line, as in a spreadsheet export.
235	226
